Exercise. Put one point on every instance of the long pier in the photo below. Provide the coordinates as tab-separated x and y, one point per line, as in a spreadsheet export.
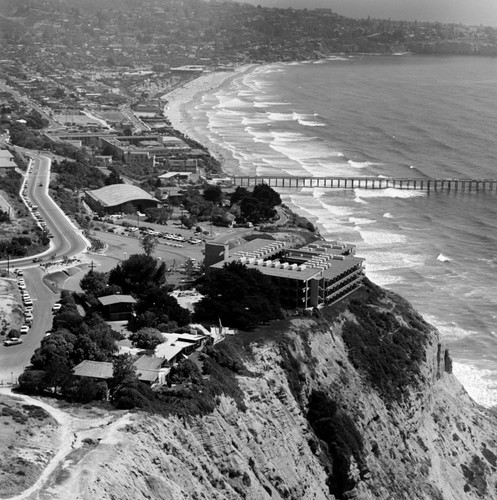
299	182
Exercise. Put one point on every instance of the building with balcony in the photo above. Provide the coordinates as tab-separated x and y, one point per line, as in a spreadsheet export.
317	274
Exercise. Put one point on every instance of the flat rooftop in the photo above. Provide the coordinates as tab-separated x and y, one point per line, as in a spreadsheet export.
320	259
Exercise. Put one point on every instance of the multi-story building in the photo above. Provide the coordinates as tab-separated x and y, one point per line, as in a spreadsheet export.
317	274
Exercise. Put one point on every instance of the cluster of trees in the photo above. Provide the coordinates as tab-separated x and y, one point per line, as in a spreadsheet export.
113	177
158	215
143	277
11	183
21	135
74	175
72	178
16	247
239	297
19	246
244	205
256	206
73	339
35	120
203	207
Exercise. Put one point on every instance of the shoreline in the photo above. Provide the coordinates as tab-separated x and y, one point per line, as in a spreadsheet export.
477	380
184	97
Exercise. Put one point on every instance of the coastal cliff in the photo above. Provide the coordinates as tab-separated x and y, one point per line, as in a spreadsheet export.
355	401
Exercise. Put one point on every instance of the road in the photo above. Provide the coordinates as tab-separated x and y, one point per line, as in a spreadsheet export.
13	359
67	241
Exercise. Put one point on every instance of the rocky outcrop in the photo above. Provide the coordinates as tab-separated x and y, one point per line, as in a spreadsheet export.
323	412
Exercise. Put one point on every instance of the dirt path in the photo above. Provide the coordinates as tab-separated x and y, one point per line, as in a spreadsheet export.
75	426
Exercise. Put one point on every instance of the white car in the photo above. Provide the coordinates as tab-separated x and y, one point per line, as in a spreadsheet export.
28	302
56	307
12	341
22	286
24	329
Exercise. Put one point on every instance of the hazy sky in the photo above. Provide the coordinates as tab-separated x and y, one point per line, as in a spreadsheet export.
447	11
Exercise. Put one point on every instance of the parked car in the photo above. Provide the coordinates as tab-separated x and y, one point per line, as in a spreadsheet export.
28	302
22	286
56	307
24	329
12	341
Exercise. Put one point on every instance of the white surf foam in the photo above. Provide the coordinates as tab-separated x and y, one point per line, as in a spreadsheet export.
307	123
450	331
480	384
442	258
265	104
359	164
361	221
280	117
388	215
388	193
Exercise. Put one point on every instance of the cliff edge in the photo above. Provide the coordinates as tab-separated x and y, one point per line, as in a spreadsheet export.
355	401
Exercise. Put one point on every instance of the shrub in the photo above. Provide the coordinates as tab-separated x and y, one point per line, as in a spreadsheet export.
338	431
387	352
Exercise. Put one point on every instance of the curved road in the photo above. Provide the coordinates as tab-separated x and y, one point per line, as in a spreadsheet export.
67	241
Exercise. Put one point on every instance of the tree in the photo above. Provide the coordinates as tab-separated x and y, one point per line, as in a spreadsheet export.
239	194
129	208
146	338
239	297
54	357
113	178
124	385
213	194
87	389
250	209
158	215
149	243
139	274
32	381
123	372
266	195
186	221
159	309
95	283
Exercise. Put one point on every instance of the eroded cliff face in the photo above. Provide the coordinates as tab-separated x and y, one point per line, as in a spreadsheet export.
310	422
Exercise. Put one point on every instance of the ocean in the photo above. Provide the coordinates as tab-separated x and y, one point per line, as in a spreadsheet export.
398	116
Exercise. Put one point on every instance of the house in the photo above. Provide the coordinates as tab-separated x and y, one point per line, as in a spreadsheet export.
99	370
6	161
178	346
177	177
117	307
149	370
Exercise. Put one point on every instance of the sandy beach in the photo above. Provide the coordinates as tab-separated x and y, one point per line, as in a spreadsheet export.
183	97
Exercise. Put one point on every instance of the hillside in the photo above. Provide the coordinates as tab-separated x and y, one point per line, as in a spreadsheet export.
356	403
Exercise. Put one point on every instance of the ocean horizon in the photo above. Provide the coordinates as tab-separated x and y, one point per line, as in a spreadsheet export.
383	116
